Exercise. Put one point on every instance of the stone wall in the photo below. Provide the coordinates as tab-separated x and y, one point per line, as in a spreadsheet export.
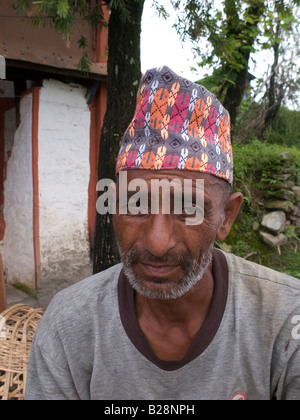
284	207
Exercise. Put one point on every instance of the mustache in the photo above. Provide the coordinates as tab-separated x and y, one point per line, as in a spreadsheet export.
136	255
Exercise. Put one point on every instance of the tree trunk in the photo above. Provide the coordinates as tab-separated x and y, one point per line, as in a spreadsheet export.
123	76
235	93
247	32
275	90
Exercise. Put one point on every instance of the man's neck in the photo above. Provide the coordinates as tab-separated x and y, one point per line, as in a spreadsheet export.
171	325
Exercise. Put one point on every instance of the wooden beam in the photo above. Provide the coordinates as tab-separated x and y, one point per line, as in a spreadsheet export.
35	179
3	303
35	71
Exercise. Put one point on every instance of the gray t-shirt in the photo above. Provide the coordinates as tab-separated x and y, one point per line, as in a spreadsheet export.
89	345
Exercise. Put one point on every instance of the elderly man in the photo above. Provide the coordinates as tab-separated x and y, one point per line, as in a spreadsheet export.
177	319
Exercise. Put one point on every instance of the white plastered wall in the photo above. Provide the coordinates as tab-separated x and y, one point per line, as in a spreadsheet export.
64	172
18	255
63	178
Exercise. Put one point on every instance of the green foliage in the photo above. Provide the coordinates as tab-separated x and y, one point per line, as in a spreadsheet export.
227	33
160	9
63	15
285	129
60	14
121	6
256	162
232	27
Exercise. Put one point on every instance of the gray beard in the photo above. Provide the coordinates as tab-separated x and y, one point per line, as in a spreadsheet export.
193	269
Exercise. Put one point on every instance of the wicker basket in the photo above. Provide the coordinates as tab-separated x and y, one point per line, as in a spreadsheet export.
17	327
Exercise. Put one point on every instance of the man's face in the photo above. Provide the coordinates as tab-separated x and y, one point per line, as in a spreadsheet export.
163	256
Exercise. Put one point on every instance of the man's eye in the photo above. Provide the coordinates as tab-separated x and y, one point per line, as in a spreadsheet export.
188	210
207	207
138	206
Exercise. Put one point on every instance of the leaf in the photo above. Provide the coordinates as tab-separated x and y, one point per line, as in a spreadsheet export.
278	40
63	8
82	42
84	64
249	20
21	6
265	46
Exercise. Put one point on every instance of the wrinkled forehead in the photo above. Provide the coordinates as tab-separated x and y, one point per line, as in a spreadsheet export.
148	175
218	189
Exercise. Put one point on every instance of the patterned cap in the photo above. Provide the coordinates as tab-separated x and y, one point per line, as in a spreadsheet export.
177	124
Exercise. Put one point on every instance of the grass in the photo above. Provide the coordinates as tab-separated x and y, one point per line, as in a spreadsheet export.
25	289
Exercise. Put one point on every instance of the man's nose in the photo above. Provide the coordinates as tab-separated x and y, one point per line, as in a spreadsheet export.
160	234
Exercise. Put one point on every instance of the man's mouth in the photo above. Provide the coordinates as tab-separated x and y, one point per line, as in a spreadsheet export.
158	270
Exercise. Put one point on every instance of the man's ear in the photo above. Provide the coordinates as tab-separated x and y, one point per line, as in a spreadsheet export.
231	210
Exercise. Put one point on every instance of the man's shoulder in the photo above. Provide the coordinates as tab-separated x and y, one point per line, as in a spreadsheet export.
97	285
241	268
79	303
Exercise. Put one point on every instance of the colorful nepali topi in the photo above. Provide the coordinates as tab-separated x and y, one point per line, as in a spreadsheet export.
177	124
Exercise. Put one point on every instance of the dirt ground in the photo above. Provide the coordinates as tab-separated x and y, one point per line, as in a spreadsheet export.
48	288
